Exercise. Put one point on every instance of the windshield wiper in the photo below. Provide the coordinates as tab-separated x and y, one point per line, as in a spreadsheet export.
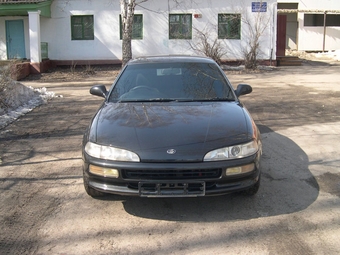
217	99
146	100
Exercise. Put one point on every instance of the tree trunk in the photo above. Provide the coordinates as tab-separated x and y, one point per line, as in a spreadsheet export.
127	12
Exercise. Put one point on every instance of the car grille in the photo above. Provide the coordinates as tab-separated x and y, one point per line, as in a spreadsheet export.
172	174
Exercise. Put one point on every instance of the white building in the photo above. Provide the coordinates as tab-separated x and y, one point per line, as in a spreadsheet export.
309	25
88	31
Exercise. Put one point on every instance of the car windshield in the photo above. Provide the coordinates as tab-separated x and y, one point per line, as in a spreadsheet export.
171	82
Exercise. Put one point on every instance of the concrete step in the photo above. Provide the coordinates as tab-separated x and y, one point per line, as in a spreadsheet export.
288	61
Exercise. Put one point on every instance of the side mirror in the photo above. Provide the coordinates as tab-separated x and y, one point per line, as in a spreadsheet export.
99	90
243	89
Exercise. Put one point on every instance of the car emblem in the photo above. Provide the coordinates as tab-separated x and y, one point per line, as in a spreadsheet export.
171	151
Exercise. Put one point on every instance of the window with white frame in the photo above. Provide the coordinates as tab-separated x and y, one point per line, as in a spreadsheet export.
229	26
180	26
82	27
317	20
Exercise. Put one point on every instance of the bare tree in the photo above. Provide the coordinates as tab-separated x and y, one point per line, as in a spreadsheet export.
206	45
127	8
256	29
6	73
4	78
255	26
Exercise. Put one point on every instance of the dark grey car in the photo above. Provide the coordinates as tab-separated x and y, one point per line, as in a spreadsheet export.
171	127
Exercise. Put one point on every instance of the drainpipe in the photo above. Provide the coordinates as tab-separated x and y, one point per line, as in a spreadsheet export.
324	31
273	34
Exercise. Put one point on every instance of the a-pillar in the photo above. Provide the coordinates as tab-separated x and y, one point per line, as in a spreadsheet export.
35	46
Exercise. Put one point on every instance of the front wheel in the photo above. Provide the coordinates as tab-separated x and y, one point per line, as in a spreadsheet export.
252	190
91	191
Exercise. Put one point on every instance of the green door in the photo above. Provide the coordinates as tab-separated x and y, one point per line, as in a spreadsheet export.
15	39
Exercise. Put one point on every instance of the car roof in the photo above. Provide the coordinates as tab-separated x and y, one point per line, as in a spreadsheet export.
171	58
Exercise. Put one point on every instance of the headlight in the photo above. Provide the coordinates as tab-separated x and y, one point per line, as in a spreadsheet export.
110	153
232	152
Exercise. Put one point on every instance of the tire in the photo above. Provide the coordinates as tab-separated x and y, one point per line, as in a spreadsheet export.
91	191
252	190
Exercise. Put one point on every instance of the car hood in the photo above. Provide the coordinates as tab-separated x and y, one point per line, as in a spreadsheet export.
189	130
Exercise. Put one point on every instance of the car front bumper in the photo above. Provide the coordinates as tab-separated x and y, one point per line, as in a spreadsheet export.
172	179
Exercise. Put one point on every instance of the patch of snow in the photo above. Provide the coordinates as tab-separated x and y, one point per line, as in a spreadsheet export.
232	68
332	55
242	68
327	55
21	100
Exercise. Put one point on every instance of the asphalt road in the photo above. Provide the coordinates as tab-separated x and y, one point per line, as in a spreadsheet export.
45	210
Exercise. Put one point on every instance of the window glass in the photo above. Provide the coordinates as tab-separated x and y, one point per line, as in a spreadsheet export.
82	27
317	20
180	26
229	26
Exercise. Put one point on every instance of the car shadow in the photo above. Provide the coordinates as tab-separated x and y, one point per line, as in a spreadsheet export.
287	186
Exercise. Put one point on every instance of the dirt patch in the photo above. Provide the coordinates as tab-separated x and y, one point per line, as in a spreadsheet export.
87	73
45	209
78	73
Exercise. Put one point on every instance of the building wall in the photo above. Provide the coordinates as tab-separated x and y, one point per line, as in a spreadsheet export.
310	38
56	31
3	53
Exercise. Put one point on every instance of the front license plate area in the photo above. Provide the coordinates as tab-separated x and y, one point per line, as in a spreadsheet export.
171	189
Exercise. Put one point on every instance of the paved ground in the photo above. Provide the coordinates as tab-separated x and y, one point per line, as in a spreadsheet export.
45	210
